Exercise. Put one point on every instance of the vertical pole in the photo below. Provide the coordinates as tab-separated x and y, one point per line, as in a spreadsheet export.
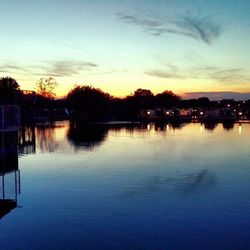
2	146
2	110
15	185
3	187
19	182
2	149
3	116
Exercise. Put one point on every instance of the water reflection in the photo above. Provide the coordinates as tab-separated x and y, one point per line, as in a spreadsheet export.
13	144
199	180
153	180
89	136
8	168
145	187
178	125
228	125
45	136
210	125
240	129
86	136
162	126
27	140
6	205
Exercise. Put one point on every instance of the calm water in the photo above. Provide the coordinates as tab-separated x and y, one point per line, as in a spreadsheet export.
142	187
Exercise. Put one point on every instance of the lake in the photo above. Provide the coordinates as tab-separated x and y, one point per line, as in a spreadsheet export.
141	186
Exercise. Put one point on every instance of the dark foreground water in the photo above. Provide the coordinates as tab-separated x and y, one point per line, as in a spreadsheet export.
142	187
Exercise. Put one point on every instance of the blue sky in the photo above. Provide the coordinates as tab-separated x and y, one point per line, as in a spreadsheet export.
119	46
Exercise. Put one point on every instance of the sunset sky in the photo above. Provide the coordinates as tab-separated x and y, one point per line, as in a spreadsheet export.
119	46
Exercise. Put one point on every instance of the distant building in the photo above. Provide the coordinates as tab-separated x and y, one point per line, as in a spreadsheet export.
28	92
148	114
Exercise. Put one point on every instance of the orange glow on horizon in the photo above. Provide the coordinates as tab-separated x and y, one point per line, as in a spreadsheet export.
127	86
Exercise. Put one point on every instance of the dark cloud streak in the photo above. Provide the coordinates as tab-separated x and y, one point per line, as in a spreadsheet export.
67	67
58	68
164	74
226	76
147	23
12	68
201	29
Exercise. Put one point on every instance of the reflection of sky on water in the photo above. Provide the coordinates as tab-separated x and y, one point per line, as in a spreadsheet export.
65	137
146	186
192	182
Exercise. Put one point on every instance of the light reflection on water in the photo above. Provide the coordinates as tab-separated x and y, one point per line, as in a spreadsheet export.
141	186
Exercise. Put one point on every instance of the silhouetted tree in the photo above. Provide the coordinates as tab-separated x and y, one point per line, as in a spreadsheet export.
46	87
88	103
8	89
144	98
167	99
141	99
143	93
191	103
119	109
203	102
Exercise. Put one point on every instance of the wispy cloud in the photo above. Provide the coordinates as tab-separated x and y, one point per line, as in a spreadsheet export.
65	67
12	68
58	68
164	74
199	28
223	76
147	23
228	75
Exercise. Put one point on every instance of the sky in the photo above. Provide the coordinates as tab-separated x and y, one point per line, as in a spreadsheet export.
190	47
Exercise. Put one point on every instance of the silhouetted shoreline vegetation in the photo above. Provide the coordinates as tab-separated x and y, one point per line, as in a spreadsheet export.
88	104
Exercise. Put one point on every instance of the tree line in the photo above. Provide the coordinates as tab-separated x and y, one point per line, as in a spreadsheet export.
87	103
